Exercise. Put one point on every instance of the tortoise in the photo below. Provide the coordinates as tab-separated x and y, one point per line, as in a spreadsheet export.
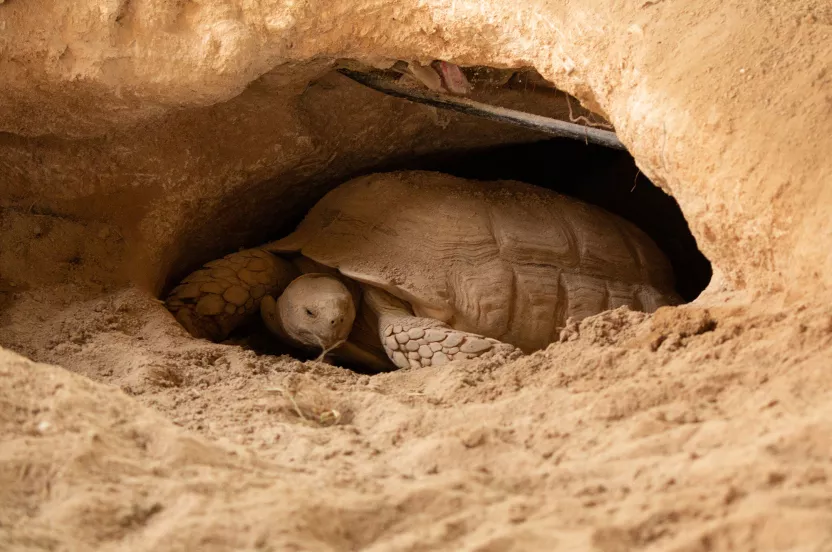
417	268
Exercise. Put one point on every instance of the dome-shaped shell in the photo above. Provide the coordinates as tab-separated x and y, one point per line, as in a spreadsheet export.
503	259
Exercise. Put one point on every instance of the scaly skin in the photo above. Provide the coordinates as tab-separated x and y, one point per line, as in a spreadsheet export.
414	342
218	297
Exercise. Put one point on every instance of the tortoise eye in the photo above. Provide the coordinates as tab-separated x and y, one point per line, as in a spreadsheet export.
309	312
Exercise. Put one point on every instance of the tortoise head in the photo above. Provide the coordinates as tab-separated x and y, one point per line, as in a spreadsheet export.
315	310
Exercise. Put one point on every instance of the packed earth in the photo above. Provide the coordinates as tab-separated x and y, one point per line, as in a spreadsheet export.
143	138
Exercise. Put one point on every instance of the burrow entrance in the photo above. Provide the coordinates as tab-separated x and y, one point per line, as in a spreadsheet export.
595	174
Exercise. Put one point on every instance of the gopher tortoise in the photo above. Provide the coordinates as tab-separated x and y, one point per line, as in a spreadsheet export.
419	268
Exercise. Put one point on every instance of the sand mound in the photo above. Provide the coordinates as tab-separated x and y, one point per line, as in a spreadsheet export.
698	429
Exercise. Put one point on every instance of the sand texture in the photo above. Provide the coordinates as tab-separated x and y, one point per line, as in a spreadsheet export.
142	138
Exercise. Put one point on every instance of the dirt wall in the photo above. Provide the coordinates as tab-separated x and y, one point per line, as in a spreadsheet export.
715	100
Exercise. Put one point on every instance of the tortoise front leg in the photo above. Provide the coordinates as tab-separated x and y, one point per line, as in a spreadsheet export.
221	295
413	342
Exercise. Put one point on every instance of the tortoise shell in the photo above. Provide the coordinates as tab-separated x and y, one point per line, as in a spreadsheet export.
503	259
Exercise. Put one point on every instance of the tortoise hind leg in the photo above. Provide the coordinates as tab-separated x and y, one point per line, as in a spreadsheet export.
413	342
221	295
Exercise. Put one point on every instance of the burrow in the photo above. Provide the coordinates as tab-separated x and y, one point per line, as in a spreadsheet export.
268	209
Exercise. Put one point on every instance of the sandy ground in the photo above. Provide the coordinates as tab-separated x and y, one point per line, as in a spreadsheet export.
693	429
139	138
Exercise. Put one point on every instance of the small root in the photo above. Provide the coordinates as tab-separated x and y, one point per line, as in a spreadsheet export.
290	398
311	409
325	351
635	180
584	120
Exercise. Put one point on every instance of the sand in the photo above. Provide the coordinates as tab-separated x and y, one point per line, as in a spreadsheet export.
693	429
140	139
